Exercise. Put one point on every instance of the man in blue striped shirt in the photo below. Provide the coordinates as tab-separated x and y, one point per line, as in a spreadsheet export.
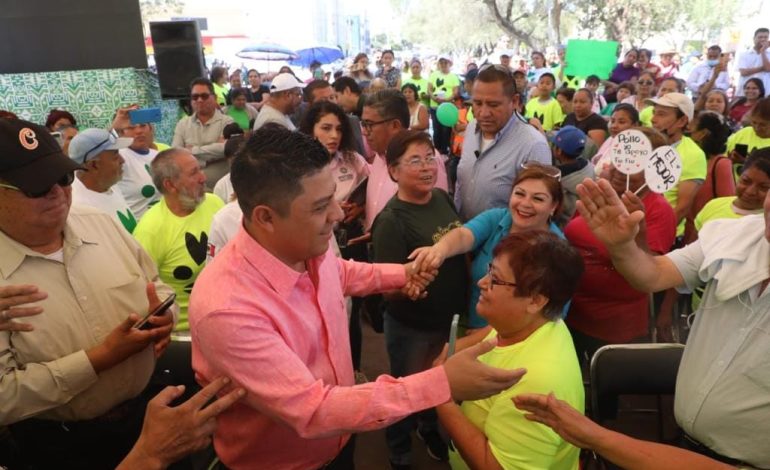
496	144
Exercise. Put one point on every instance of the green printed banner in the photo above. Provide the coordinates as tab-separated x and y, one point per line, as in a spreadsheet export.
589	57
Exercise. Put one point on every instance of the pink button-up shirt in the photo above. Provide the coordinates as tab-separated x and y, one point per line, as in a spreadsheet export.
381	187
283	336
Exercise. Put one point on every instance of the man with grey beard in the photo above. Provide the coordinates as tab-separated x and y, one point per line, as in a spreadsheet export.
174	232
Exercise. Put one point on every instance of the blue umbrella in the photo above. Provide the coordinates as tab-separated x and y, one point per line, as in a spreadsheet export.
267	51
321	54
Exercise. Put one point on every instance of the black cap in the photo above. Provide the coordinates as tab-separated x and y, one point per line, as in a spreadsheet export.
30	158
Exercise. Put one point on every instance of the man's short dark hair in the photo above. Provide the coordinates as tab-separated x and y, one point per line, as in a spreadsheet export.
202	81
498	73
269	168
343	83
390	104
715	47
312	87
233	144
761	30
547	75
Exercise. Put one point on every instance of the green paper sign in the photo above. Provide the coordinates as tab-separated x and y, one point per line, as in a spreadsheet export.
589	57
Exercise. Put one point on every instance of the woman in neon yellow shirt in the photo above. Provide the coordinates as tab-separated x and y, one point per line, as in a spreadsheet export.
533	274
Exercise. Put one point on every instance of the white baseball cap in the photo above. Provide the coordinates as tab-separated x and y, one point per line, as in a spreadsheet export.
285	81
679	101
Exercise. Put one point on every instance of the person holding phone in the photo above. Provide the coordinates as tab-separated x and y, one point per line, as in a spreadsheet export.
752	137
72	390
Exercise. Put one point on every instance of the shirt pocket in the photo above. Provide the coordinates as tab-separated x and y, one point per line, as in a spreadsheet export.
759	372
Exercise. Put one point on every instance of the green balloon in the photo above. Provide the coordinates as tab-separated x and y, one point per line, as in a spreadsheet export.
447	114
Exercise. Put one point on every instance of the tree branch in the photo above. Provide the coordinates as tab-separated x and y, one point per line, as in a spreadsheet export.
508	26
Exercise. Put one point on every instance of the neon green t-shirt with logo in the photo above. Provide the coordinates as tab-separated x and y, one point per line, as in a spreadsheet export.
549	112
442	82
178	245
694	167
422	87
552	366
719	208
747	136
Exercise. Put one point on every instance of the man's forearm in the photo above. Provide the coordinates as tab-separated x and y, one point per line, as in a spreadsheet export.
638	267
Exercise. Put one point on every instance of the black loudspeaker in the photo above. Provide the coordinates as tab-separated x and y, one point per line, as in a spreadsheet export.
178	56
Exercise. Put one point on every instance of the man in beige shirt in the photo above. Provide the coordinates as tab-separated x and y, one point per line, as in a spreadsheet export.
72	388
201	133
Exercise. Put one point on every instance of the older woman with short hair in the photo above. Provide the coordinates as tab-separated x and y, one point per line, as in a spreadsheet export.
532	276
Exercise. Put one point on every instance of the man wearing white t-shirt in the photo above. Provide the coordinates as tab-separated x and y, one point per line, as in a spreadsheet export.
136	185
756	61
96	150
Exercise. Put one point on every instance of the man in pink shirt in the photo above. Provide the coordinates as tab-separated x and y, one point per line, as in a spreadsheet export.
269	313
385	114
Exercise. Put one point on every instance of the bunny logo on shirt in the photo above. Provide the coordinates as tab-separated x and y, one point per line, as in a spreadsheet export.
196	248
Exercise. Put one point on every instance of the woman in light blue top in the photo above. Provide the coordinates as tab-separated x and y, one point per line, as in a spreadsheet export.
537	196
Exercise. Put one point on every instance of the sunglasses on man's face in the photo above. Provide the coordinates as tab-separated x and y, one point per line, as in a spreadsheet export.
64	181
200	96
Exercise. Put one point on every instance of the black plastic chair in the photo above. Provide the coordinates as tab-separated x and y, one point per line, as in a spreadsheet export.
632	369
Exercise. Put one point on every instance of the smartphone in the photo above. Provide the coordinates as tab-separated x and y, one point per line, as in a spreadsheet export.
144	115
742	149
453	335
144	323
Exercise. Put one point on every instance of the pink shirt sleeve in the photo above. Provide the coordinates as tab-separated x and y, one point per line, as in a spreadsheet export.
358	278
246	346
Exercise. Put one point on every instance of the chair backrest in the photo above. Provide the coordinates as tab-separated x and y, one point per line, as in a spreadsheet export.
631	369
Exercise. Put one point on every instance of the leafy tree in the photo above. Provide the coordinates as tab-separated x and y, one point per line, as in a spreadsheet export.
534	23
154	8
451	25
630	22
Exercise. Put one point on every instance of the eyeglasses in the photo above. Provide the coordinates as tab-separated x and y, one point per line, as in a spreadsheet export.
645	82
493	281
64	181
419	162
548	170
367	125
200	96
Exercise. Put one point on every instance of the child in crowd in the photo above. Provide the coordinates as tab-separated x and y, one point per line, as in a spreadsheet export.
544	107
567	146
592	83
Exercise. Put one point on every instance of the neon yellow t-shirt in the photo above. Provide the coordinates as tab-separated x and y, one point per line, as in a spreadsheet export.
220	93
719	208
552	366
422	87
445	83
575	82
159	146
748	137
694	167
549	112
645	116
178	245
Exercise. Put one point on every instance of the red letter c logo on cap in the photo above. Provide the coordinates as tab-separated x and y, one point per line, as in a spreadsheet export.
28	139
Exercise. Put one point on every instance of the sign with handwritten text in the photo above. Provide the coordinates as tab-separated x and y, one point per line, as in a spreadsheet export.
630	151
663	170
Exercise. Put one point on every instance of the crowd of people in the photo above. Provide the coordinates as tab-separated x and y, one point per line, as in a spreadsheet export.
282	212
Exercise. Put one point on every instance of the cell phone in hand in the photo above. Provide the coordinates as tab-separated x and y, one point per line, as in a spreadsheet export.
144	115
144	323
742	150
453	336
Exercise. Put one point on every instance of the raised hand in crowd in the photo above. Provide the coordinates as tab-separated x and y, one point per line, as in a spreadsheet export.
12	299
122	118
124	341
170	433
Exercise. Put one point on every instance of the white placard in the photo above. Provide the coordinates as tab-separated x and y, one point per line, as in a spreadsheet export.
663	170
630	151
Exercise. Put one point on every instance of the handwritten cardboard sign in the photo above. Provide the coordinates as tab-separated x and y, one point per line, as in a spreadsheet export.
630	151
663	170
